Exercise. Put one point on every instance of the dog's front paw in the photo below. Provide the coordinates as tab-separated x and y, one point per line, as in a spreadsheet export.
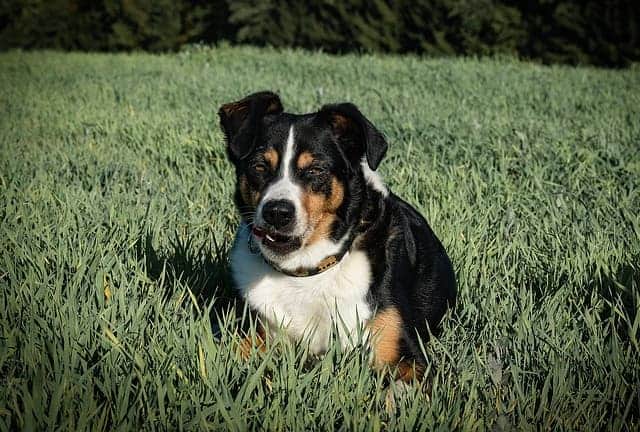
250	342
395	391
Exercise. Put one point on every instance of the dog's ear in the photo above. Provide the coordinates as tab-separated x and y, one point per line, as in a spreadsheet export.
355	133
240	119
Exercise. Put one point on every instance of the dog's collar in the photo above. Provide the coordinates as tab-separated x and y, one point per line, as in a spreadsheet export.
324	265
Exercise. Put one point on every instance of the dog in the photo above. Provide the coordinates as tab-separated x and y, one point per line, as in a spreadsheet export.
324	248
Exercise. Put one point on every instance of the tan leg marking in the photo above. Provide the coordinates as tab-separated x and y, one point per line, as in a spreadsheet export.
386	330
249	341
410	371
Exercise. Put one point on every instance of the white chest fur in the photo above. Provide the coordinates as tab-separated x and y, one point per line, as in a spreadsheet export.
307	307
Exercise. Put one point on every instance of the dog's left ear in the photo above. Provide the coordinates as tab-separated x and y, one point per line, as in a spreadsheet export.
355	133
239	121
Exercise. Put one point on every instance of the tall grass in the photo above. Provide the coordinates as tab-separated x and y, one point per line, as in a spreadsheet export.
116	307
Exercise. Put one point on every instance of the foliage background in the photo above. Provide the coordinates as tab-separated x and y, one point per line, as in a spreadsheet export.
600	32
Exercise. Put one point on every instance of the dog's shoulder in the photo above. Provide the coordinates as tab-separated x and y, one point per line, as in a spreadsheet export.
409	263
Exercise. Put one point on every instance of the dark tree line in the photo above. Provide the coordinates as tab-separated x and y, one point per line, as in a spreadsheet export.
600	32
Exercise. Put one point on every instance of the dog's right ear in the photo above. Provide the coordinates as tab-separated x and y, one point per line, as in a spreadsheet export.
357	136
239	121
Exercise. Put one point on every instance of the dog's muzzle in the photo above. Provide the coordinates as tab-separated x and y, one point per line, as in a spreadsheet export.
279	214
275	225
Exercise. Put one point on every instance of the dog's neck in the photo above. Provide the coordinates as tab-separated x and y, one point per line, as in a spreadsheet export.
324	265
314	259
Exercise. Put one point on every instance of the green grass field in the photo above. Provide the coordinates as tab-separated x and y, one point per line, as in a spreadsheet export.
116	220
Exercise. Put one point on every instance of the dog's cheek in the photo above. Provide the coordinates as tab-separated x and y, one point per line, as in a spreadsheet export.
250	196
321	210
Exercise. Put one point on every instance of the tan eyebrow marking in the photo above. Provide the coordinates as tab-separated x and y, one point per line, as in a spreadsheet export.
271	156
304	160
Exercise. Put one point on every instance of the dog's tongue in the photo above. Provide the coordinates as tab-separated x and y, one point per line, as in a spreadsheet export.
263	235
258	232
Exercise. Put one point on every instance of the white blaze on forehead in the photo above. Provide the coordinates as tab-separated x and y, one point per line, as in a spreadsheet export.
289	151
284	188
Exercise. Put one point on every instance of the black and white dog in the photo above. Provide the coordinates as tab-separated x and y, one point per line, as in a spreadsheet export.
324	248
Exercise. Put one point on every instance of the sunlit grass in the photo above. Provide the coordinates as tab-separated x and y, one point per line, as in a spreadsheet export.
116	220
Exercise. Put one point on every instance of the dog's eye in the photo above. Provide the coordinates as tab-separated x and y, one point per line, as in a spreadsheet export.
314	171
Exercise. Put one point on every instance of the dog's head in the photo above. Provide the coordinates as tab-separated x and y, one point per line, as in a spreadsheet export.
301	179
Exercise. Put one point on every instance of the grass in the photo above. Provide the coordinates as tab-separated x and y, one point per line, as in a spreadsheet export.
116	222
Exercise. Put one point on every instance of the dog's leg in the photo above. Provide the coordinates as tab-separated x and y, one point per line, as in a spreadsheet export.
386	332
410	371
257	340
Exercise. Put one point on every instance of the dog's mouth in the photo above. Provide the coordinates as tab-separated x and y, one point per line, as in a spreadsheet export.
279	243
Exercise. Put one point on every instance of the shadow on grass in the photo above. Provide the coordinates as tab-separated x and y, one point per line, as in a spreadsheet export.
203	269
620	290
618	285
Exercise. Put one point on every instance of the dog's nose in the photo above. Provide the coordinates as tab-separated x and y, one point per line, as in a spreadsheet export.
278	213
